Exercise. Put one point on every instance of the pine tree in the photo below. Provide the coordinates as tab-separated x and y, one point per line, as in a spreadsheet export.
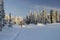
2	15
56	16
0	23
10	21
35	17
51	12
44	17
28	20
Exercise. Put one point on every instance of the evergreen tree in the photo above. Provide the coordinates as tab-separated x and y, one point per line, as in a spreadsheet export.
10	21
51	12
34	18
3	19
28	20
44	17
0	23
56	16
2	15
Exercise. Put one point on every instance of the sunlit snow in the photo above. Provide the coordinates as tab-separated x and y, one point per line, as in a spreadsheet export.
31	32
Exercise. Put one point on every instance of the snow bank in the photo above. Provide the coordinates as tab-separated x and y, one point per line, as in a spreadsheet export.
30	26
39	24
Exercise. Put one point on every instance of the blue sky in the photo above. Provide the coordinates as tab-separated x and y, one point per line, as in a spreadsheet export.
22	7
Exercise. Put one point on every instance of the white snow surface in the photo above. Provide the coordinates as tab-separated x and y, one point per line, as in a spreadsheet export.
40	24
31	32
9	33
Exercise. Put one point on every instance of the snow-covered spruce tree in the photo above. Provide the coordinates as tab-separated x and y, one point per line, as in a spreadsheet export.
56	13
35	17
10	21
27	20
1	23
44	17
51	12
2	14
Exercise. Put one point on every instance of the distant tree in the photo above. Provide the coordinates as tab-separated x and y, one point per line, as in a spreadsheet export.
44	17
59	19
34	18
51	12
36	22
10	21
28	20
56	16
45	21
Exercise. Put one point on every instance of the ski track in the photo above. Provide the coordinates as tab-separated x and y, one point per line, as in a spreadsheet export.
15	32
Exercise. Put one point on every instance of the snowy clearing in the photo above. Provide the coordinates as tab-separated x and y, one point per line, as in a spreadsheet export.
31	32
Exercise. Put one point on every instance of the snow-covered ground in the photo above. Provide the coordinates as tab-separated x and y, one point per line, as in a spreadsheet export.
31	32
9	33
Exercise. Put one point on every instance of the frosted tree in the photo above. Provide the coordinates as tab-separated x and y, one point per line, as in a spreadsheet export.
51	12
56	13
2	14
44	17
28	20
10	21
